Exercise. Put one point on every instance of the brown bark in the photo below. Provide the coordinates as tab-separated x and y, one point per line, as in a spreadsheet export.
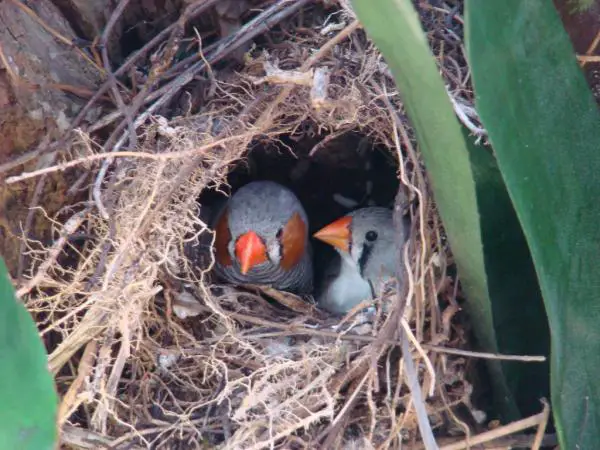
34	64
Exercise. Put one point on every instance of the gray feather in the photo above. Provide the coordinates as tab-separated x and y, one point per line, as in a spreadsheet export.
353	278
265	207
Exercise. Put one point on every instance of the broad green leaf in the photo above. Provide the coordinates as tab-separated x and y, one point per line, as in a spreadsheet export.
485	237
28	400
515	299
544	126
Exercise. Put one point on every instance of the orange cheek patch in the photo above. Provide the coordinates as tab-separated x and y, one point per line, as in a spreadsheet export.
293	241
222	238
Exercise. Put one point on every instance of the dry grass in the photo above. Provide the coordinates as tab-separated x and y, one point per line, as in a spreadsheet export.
239	372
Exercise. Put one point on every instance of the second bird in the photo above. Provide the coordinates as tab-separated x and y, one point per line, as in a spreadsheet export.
364	240
262	238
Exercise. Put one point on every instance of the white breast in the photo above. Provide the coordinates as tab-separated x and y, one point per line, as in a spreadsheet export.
346	290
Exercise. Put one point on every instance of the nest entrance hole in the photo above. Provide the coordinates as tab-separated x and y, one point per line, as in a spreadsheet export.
331	177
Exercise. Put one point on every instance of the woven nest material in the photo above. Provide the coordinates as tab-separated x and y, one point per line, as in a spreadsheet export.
150	351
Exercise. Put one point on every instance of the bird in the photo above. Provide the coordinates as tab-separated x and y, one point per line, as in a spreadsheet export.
261	237
365	243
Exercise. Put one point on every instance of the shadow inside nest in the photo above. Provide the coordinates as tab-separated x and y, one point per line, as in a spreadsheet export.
331	176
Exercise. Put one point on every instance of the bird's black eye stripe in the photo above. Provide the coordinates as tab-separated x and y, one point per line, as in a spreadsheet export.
364	257
371	236
279	234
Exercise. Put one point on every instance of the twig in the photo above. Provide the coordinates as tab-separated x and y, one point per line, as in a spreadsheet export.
79	91
410	336
505	430
158	68
584	59
539	435
71	400
69	228
295	330
275	75
118	366
332	432
106	247
404	291
318	91
330	137
594	44
301	423
91	326
520	440
128	112
412	380
209	71
448	407
111	76
328	46
588	57
128	154
483	355
362	338
39	188
186	63
260	24
190	12
324	50
86	439
166	93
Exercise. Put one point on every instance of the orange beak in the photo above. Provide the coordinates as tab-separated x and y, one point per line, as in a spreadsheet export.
250	251
337	233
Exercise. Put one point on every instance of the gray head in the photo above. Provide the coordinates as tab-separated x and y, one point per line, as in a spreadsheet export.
367	236
263	223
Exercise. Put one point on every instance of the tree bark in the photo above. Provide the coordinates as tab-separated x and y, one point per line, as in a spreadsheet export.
34	63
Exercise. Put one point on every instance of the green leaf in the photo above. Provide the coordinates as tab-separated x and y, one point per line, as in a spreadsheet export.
543	123
486	239
516	303
28	400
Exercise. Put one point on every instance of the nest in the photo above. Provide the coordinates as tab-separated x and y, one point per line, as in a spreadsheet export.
150	351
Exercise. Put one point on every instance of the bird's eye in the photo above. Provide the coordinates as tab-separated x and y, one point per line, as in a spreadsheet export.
371	236
279	234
